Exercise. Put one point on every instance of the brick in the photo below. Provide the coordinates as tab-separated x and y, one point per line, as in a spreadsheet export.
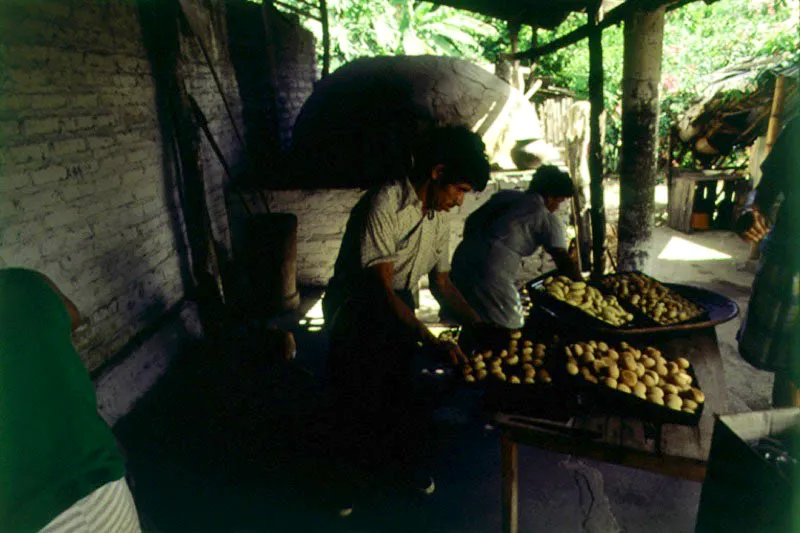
11	181
96	143
61	217
69	146
42	199
84	101
49	101
73	124
29	153
41	126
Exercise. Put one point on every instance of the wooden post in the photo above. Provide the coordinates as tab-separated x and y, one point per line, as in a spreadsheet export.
641	78
773	129
598	210
326	38
510	496
513	32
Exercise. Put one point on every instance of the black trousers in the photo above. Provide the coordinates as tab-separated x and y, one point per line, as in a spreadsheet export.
382	421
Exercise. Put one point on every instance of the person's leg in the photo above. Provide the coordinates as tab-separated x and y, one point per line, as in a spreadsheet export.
784	392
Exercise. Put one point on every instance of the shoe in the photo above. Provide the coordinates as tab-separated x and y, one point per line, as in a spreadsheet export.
423	482
429	488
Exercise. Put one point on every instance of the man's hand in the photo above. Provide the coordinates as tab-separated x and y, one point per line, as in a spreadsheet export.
758	230
450	352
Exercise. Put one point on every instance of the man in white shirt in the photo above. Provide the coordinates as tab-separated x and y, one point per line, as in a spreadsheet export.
512	225
396	234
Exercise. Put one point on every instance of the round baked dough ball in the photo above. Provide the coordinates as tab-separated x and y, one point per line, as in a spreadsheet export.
655	391
697	395
572	369
669	388
690	404
639	389
628	377
623	388
682	362
661	370
656	399
611	383
514	379
673	401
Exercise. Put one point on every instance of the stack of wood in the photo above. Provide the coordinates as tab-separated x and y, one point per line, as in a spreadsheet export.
735	108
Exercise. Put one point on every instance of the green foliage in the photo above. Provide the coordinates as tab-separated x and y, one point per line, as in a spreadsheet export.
364	28
699	39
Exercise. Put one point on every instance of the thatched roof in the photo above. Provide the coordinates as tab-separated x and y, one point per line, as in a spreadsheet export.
735	106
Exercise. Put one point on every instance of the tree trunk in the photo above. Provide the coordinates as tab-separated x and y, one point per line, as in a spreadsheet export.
598	212
644	33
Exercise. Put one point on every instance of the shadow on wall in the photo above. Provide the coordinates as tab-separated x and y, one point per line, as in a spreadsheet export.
254	63
160	37
131	288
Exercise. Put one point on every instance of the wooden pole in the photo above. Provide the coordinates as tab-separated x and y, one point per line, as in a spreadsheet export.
598	213
510	495
773	129
641	78
775	118
326	38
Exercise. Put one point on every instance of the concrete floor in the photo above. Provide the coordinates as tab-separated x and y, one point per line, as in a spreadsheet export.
229	442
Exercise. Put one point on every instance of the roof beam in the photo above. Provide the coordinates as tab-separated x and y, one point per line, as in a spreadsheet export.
613	17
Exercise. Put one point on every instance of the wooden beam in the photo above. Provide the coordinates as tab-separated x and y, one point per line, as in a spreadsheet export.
326	38
598	210
296	9
612	18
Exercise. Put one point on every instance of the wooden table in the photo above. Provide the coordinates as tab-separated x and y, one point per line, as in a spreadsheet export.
672	450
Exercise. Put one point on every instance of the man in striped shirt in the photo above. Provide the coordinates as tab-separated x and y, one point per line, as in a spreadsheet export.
396	234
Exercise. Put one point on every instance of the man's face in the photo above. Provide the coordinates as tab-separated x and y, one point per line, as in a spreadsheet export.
552	203
451	195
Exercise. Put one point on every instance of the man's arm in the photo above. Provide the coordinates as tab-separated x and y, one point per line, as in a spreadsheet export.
448	294
382	275
565	264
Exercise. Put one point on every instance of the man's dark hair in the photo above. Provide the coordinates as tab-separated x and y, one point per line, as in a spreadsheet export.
461	151
549	180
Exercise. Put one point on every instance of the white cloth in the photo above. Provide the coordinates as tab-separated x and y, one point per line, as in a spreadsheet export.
512	225
109	508
387	226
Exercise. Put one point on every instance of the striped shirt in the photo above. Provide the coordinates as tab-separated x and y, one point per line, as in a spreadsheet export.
387	226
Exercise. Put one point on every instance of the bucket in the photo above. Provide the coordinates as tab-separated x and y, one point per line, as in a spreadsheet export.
271	251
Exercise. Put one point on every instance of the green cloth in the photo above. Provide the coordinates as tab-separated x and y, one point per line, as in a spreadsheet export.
54	447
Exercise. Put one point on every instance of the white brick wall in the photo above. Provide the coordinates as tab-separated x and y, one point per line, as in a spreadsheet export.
83	196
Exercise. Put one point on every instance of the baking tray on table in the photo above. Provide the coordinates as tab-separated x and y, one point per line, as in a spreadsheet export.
644	319
717	309
540	399
562	310
566	396
599	399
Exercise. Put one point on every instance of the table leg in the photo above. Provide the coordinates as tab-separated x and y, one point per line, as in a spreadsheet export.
508	465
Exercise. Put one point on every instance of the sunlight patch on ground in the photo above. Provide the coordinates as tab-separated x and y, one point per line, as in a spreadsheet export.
678	249
315	313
